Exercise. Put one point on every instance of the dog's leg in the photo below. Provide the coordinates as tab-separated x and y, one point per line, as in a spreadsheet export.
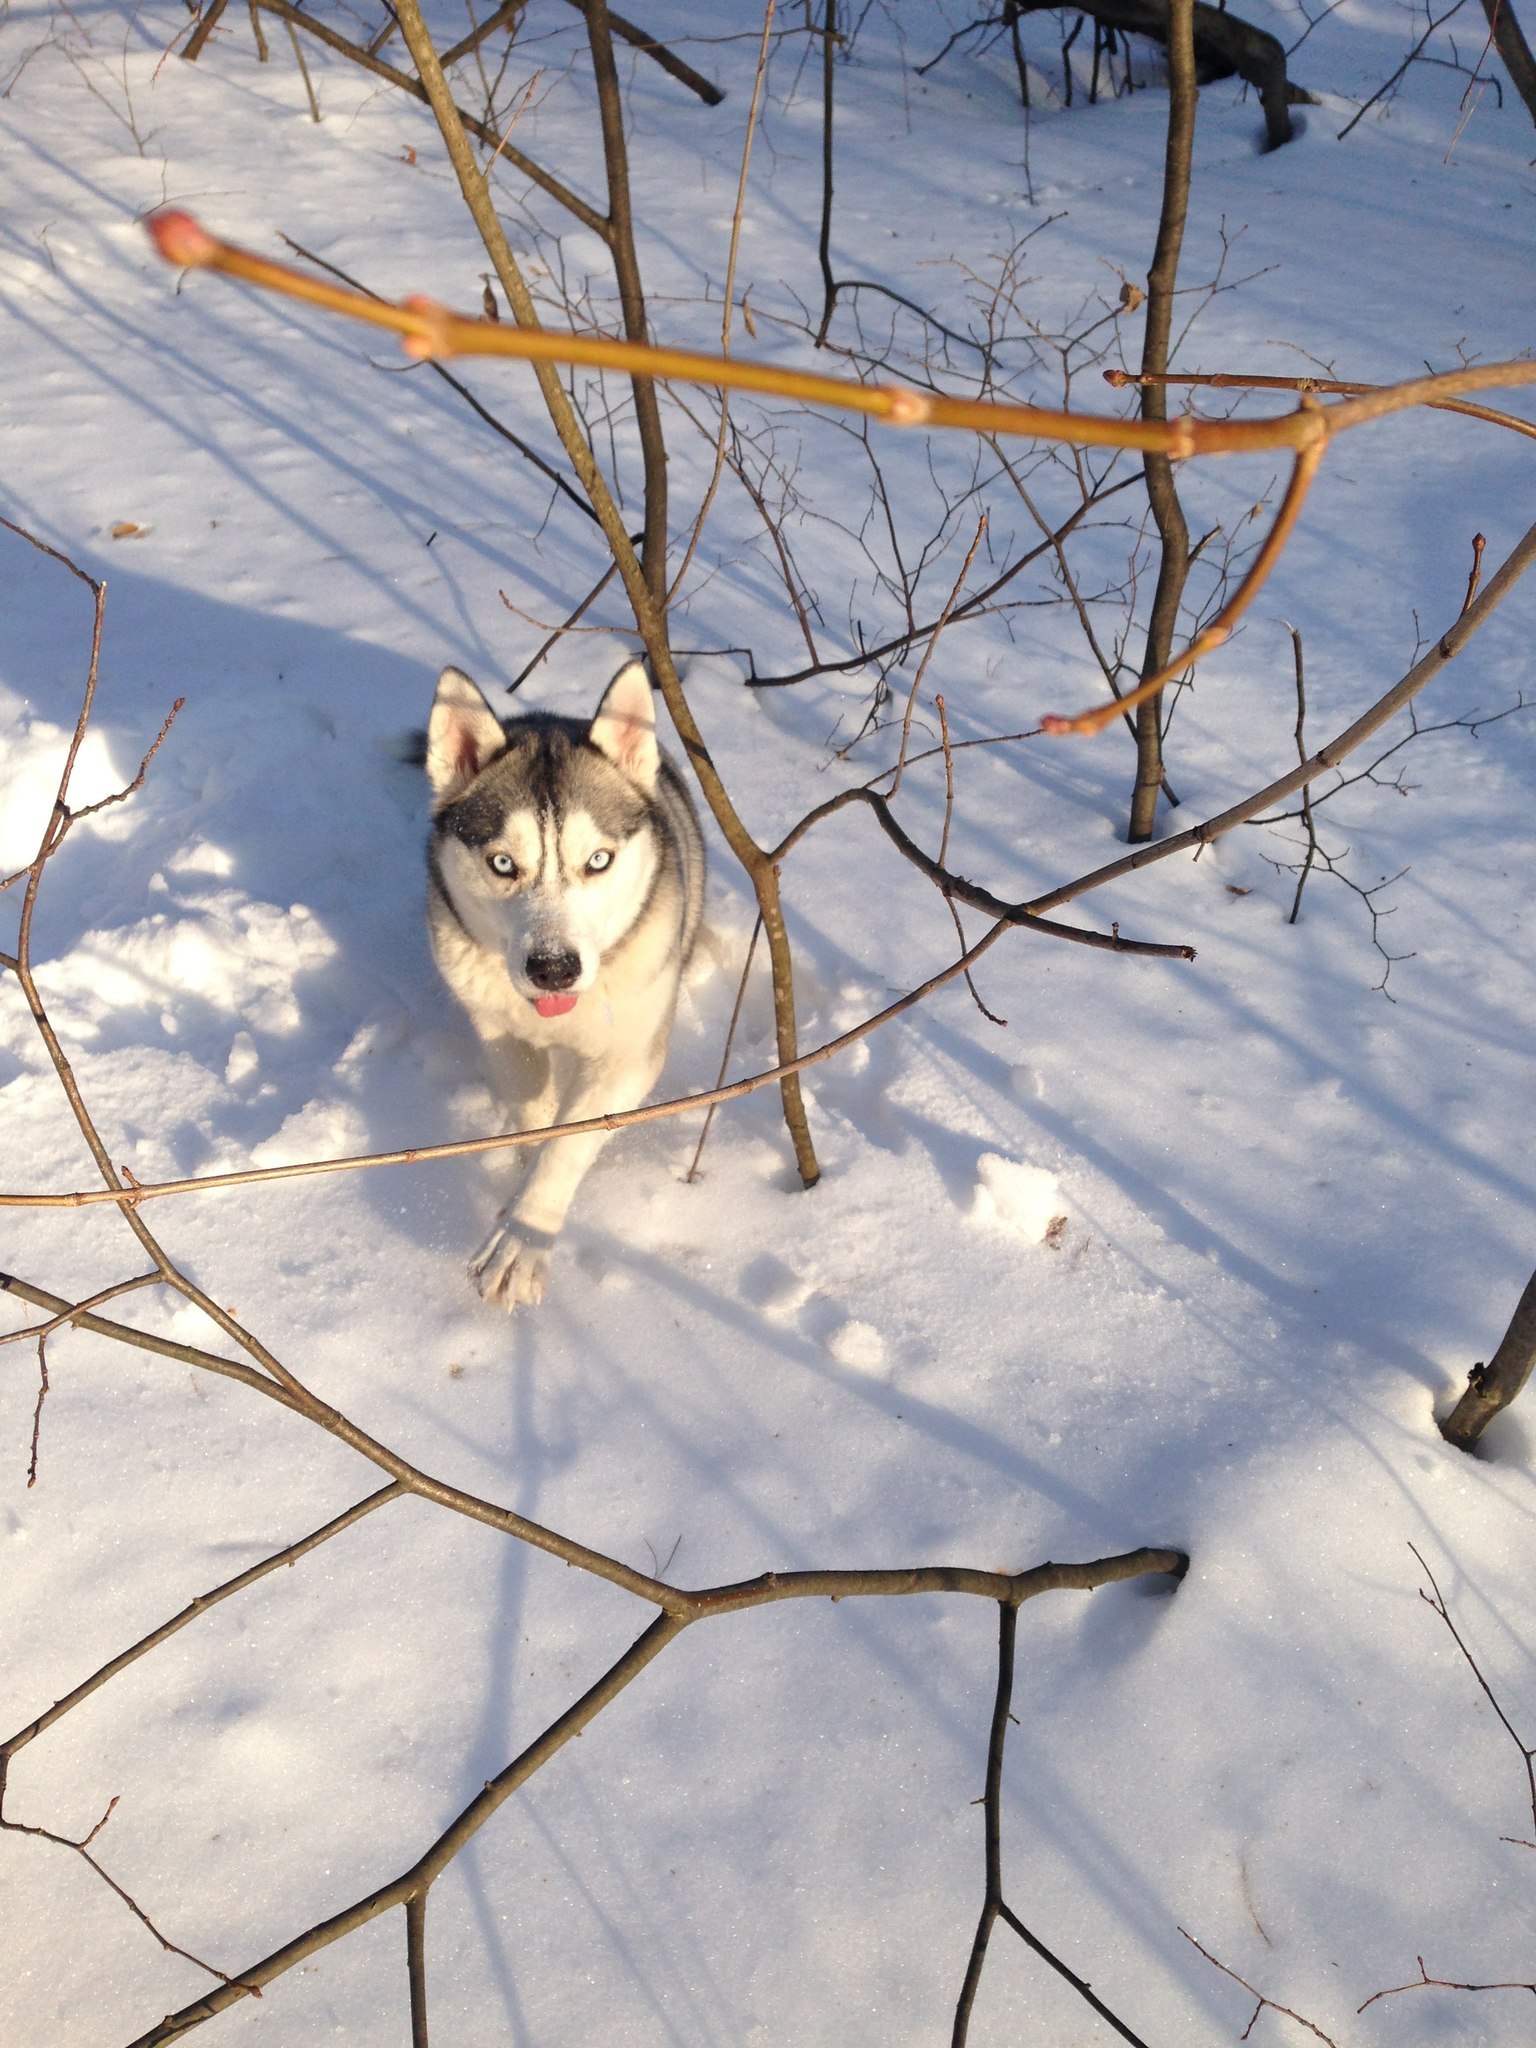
522	1077
512	1266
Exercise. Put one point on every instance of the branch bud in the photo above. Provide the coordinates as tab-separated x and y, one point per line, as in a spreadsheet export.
431	341
180	239
907	408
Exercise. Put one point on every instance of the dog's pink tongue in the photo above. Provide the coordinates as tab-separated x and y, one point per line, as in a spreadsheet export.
554	1006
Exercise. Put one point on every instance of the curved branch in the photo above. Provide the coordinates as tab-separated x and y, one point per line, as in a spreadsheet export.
1445	650
951	884
1220	628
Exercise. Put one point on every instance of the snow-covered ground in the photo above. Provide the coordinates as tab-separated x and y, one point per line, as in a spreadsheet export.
1297	1208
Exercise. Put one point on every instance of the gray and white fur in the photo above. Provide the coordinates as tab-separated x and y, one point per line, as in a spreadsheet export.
567	882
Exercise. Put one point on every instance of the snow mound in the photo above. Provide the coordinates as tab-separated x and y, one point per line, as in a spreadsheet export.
857	1345
321	1130
1023	1199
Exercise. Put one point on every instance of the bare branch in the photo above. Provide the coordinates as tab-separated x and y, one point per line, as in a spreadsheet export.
1491	1387
190	1613
502	145
1263	2002
232	1988
1444	650
994	1905
1009	1590
37	1412
725	1056
1436	1600
1424	1981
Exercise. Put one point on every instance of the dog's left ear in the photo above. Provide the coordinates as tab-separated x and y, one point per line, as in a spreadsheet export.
463	733
625	726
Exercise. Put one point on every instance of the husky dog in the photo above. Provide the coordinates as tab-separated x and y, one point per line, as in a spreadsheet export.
567	879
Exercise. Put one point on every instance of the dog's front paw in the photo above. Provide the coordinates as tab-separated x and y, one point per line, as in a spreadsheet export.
512	1266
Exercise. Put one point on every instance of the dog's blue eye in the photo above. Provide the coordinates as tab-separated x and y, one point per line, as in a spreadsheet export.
600	860
502	864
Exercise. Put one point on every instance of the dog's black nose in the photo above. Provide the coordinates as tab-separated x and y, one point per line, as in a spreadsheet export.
553	972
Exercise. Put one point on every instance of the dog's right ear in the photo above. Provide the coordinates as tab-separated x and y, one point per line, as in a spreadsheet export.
463	733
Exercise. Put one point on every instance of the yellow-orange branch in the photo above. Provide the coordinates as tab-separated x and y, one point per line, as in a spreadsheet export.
1232	380
1220	628
430	331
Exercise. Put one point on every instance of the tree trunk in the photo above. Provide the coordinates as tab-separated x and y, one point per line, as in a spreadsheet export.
1173	565
1493	1386
1509	41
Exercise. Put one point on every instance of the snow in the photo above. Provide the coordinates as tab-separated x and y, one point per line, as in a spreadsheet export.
1022	1199
1296	1208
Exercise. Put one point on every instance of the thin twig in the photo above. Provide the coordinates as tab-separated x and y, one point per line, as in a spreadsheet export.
1220	628
37	1412
971	607
560	631
949	895
571	201
994	1906
1007	1630
466	45
1435	22
65	818
233	1987
416	1963
290	1555
1386	707
733	250
1080	1985
1055	541
673	65
1436	1599
561	483
730	1034
129	789
829	42
1424	1981
933	641
1263	2002
70	1315
1306	788
298	52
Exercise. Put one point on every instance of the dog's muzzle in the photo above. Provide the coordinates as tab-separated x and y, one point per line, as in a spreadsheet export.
553	975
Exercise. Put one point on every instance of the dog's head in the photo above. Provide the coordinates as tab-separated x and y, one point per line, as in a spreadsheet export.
545	832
